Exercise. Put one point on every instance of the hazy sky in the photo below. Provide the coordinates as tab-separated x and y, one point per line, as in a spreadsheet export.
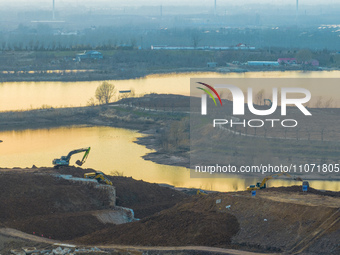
30	5
163	2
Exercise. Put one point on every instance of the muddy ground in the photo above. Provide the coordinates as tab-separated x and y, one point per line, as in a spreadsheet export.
276	220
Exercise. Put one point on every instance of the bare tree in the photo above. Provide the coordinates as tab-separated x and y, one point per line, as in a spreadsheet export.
105	92
259	96
91	102
195	38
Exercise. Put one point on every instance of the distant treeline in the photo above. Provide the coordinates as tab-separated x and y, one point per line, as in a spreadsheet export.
45	37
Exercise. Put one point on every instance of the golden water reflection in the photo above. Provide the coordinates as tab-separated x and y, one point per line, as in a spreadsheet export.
113	149
32	95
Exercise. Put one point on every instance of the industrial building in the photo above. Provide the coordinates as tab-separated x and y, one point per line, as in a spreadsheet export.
263	63
92	54
240	46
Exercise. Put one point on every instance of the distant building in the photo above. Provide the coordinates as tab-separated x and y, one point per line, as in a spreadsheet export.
92	54
293	61
240	46
287	61
263	63
313	62
165	47
212	64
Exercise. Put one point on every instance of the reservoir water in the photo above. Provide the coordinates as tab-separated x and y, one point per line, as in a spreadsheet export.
32	95
113	149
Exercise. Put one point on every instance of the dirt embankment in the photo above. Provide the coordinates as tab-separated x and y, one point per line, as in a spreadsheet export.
239	221
172	227
33	200
143	197
142	113
48	206
276	220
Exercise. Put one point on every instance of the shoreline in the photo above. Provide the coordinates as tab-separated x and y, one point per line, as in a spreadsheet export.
112	115
150	135
98	75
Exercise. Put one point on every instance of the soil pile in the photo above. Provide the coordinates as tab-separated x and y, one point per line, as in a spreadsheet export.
233	220
35	200
60	227
33	194
49	206
277	226
275	220
188	223
144	198
298	189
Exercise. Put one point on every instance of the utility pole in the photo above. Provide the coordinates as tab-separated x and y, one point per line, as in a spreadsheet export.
297	12
53	11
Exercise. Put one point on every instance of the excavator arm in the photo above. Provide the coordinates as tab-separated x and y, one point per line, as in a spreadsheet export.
80	163
262	185
271	177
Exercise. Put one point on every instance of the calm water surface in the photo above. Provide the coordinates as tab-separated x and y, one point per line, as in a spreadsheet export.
113	149
28	95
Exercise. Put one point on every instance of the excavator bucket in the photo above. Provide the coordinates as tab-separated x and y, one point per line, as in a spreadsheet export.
79	163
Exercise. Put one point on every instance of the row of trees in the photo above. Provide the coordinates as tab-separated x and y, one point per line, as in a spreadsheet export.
105	38
63	46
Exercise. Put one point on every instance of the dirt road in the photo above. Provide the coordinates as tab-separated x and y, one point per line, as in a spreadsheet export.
13	233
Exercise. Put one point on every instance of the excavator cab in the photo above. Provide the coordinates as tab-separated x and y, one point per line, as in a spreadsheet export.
261	187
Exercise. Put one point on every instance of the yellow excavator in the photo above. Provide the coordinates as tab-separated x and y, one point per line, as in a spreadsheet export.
99	176
263	185
201	192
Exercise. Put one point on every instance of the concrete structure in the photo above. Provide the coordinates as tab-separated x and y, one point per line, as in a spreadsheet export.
111	190
212	64
92	54
263	63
